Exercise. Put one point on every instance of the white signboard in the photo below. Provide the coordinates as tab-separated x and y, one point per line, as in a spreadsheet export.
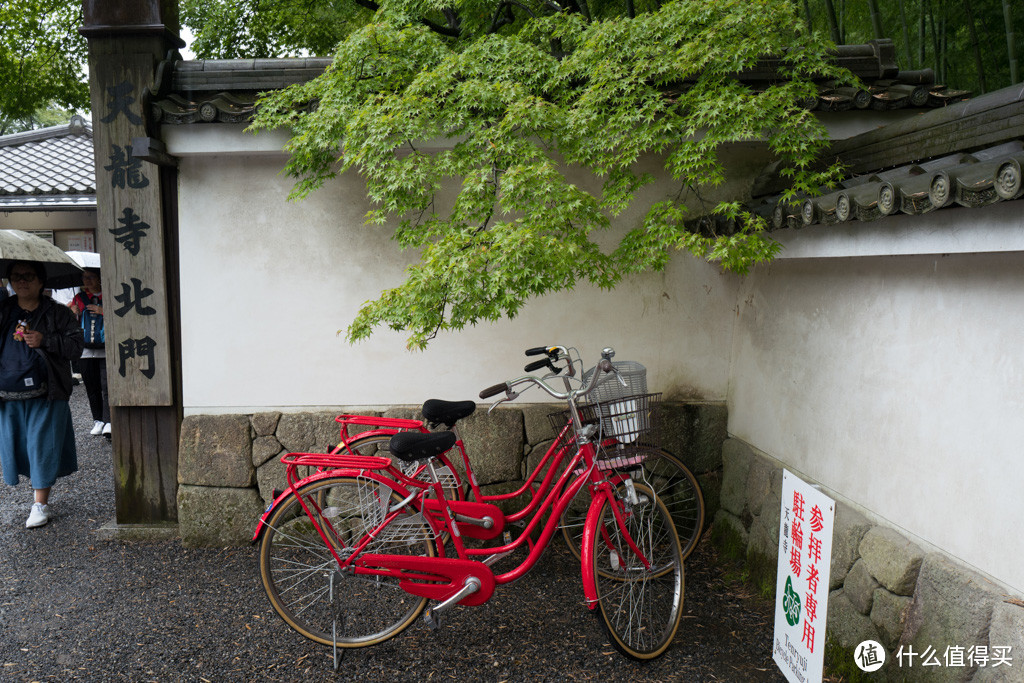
801	586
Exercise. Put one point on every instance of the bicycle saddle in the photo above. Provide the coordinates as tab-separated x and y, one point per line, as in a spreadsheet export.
447	413
413	446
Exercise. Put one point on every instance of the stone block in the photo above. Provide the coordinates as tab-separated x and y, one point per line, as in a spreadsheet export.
728	525
892	559
1006	630
536	424
711	490
850	527
889	615
295	432
215	450
265	424
269	476
846	625
759	483
214	516
859	587
764	536
694	432
264	448
952	605
736	459
404	412
327	431
495	445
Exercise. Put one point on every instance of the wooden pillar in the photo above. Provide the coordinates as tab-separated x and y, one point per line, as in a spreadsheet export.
137	238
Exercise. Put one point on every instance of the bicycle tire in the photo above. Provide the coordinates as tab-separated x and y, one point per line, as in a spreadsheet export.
670	479
640	608
300	574
380	445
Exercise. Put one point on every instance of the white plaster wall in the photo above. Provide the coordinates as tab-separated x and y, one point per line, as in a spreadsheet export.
897	383
267	284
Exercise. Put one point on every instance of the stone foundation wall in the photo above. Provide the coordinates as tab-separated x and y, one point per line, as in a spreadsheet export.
883	586
228	465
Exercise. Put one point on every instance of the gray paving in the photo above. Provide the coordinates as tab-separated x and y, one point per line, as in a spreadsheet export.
76	607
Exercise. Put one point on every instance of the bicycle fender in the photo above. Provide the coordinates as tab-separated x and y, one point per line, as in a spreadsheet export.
590	537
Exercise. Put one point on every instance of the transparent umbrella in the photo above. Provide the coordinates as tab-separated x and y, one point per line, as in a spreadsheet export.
61	269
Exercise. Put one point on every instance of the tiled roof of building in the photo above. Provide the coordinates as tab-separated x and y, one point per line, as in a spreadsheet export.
50	168
967	154
225	90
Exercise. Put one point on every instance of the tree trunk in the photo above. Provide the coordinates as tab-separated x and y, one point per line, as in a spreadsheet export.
975	47
921	34
807	13
1011	51
935	41
906	36
876	19
833	23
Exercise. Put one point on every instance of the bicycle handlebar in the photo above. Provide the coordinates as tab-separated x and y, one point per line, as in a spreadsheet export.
604	365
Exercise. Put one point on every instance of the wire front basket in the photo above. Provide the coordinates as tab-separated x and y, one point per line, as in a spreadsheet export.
630	420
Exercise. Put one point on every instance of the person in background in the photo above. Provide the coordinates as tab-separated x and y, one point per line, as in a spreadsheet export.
88	306
38	339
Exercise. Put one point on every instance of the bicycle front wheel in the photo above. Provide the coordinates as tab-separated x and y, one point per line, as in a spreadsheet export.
640	606
302	578
670	480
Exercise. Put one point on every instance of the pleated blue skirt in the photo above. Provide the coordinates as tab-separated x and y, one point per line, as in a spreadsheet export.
37	440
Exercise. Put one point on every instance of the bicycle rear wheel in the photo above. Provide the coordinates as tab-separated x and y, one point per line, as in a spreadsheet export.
302	578
670	480
640	607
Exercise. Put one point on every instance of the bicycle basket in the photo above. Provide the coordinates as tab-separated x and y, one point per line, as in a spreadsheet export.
610	388
626	419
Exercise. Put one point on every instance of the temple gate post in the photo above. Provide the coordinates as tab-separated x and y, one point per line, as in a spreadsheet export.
137	237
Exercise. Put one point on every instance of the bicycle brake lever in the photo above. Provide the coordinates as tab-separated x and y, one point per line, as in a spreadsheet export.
510	396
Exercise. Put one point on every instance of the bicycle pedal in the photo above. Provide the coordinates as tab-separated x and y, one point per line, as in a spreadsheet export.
506	537
433	622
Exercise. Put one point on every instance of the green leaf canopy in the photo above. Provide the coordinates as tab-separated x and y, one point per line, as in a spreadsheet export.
505	112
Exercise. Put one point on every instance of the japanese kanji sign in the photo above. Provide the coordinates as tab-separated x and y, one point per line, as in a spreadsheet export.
131	238
801	587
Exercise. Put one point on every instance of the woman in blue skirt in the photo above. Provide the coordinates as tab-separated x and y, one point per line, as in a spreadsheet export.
38	340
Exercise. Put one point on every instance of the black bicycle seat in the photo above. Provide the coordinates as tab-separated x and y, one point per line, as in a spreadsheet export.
413	446
438	412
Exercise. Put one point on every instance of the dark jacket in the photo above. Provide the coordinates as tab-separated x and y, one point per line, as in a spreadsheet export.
62	341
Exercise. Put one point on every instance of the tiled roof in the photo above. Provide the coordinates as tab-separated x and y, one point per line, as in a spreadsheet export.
967	154
49	168
225	90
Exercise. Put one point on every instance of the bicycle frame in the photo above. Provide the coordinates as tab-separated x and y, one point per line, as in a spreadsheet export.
440	578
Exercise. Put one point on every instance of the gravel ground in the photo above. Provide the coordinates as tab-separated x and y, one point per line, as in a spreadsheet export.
74	607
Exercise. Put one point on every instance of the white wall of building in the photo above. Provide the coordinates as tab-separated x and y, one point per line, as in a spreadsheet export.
896	381
267	284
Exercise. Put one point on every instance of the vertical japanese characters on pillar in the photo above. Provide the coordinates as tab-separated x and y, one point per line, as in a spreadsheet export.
131	237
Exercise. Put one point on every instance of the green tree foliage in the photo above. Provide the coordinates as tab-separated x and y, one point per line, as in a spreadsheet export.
247	29
42	58
498	100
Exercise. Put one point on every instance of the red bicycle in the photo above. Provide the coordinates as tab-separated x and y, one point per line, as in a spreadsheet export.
623	447
351	555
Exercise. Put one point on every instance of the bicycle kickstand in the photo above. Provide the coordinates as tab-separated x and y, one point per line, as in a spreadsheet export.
334	629
430	616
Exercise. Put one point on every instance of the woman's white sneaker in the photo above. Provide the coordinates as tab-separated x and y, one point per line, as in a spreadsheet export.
97	428
39	515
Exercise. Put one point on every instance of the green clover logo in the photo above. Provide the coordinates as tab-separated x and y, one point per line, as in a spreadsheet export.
791	603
